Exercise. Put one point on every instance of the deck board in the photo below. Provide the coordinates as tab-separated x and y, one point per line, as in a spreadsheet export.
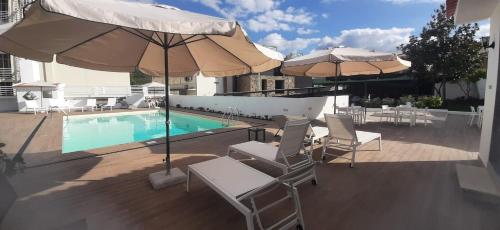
411	184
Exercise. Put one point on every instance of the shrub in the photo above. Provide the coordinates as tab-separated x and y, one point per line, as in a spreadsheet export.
201	108
405	99
388	101
432	102
373	103
178	106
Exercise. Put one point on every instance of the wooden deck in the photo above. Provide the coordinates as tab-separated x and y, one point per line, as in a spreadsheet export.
411	184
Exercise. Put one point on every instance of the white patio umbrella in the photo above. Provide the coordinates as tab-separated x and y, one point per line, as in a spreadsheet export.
120	36
339	62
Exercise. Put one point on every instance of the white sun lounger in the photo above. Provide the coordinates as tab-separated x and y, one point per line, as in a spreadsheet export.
32	105
291	143
111	103
91	104
237	182
342	134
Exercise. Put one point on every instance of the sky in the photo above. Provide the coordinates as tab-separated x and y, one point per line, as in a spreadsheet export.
307	25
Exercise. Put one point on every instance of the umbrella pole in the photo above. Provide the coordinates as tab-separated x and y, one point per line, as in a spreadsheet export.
167	108
336	87
170	176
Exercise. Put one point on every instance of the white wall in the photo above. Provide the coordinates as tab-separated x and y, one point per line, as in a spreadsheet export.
311	107
453	90
72	76
30	71
8	104
205	86
491	87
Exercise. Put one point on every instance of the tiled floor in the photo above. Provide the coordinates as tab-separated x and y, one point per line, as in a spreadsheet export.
411	184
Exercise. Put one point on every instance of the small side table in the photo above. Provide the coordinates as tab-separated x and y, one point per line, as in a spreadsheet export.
256	132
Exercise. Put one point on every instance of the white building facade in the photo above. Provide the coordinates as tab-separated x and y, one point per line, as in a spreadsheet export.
77	82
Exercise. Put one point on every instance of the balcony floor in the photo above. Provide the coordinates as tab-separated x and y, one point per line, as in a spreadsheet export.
411	184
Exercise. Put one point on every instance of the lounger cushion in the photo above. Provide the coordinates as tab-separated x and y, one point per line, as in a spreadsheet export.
230	176
257	149
365	137
320	132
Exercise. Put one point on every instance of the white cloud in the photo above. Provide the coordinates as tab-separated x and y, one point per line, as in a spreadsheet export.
367	38
303	31
413	1
239	8
370	38
324	15
484	30
261	15
284	45
141	1
279	20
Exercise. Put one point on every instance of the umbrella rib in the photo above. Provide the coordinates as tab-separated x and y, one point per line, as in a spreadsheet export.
87	40
142	36
143	52
369	63
194	60
312	66
180	42
185	43
250	67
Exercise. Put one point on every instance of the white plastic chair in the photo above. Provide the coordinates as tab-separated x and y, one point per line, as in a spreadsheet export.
32	105
111	103
286	156
386	112
91	104
342	134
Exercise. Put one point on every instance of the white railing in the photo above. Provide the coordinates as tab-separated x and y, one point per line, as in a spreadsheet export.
97	91
7	91
147	91
6	74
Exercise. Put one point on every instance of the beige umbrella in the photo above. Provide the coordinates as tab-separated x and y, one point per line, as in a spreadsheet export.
339	62
112	35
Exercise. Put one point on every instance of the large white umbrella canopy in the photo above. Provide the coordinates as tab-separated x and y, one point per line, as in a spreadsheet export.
112	35
339	62
344	62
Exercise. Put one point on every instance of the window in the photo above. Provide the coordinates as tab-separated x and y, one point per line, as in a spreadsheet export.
263	84
4	61
4	10
279	85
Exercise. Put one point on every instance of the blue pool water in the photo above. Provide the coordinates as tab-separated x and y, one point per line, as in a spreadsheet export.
90	132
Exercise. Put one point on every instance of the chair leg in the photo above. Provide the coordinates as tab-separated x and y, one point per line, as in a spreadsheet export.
249	218
380	143
188	180
353	159
275	135
323	151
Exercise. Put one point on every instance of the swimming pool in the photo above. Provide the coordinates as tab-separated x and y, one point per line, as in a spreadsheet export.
84	132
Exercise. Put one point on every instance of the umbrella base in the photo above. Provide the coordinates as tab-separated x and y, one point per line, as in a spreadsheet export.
161	180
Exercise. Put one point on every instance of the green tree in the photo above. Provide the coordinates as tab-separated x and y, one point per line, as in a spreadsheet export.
139	78
444	52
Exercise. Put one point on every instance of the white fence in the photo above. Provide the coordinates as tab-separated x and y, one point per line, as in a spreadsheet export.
97	91
311	107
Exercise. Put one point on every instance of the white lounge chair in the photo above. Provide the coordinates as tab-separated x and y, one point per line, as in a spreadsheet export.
287	156
237	182
111	103
91	104
58	105
342	134
32	105
387	113
315	134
